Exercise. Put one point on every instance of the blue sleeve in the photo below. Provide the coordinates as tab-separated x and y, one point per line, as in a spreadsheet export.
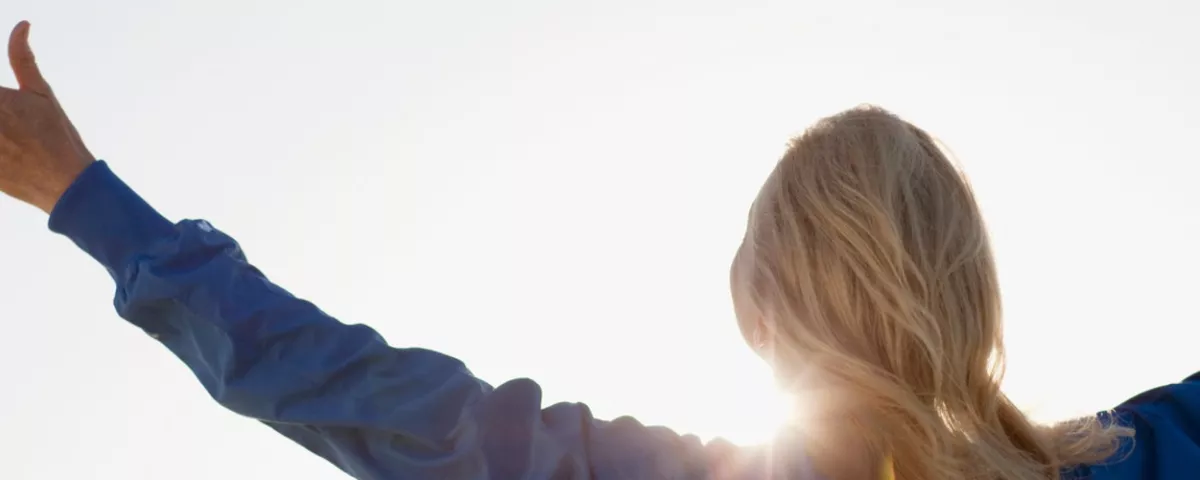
340	390
1166	442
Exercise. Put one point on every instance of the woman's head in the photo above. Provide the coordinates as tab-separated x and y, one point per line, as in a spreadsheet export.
866	279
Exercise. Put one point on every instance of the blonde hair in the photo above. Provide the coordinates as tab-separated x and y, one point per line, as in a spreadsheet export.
867	263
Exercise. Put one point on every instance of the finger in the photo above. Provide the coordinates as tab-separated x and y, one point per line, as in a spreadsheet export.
20	56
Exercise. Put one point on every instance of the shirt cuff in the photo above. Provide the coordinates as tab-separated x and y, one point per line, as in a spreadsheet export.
107	219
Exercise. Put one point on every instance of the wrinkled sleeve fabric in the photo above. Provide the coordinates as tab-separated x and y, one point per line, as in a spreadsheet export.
339	390
1166	442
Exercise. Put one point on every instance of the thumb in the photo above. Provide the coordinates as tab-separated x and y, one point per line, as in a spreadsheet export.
25	68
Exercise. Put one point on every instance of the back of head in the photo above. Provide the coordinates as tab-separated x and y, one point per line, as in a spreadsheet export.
867	271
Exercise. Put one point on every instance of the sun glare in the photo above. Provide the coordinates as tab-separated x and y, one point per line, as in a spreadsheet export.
765	418
750	410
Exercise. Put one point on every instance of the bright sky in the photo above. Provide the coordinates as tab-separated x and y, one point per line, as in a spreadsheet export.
554	191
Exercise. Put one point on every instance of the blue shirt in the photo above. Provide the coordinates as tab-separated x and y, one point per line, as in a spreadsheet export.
379	412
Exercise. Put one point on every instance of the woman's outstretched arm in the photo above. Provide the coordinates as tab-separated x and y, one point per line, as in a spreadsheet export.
341	391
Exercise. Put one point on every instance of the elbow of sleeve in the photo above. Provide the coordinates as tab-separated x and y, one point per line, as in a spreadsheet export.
308	374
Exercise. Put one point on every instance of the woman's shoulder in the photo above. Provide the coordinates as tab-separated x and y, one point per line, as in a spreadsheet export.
1166	442
625	448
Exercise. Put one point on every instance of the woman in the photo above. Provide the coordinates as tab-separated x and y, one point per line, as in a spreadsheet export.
865	279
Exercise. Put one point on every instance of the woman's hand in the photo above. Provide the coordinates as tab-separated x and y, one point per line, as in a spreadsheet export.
40	151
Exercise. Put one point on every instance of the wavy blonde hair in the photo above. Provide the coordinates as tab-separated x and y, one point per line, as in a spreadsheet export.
867	279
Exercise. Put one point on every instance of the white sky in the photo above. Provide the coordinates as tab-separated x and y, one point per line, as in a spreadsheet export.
554	191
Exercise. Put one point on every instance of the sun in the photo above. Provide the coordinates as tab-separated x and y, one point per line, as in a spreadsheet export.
751	411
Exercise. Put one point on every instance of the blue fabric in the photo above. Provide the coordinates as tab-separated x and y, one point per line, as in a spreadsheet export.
379	412
1167	442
